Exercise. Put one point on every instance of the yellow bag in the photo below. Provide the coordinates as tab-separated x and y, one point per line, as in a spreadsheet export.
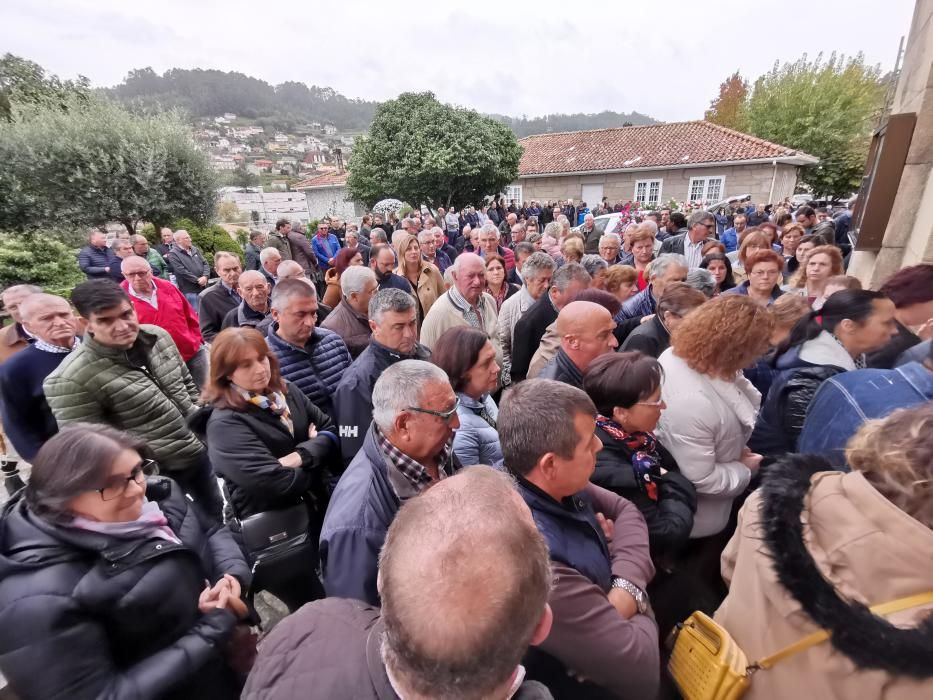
707	663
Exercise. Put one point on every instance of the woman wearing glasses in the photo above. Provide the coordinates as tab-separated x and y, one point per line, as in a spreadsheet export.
111	585
763	268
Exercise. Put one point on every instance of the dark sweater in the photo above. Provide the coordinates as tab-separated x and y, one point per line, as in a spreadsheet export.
27	418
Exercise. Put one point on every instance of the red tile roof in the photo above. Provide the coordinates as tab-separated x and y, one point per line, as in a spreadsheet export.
325	180
640	147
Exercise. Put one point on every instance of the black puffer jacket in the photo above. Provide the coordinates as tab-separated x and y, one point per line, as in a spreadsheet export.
245	447
670	518
84	615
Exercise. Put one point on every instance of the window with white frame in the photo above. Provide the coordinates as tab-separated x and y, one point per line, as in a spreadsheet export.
513	192
707	189
648	191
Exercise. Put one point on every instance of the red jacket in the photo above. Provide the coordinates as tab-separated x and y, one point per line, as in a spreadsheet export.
174	315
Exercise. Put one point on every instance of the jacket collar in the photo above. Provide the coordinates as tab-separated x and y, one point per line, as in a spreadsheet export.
568	368
824	349
380	350
145	341
362	318
870	642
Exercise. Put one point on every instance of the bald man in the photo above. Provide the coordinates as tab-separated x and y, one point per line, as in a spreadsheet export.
289	269
253	311
27	418
585	331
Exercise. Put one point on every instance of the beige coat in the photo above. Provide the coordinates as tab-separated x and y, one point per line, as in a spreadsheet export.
444	316
430	286
868	549
547	349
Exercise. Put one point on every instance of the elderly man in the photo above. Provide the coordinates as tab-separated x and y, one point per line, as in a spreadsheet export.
661	272
537	272
290	270
142	248
383	263
568	281
393	318
325	245
407	448
591	235
517	235
700	227
610	248
189	266
132	378
27	419
506	226
585	332
15	337
217	300
464	304
253	311
355	242
122	249
94	259
311	358
442	246
167	240
489	245
598	544
429	252
160	303
481	620
269	261
730	237
257	239
350	318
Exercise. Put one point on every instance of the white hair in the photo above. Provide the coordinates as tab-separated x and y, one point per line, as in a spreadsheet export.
354	279
179	233
660	264
269	252
400	387
610	238
490	228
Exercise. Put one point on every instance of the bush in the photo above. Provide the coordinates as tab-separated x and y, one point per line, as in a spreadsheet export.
40	258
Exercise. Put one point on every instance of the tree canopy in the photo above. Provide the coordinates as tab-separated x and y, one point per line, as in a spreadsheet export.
425	152
728	109
24	84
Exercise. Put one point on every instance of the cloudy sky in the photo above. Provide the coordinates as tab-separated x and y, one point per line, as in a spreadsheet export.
664	58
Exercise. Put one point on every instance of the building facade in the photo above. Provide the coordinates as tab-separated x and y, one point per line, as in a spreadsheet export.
327	196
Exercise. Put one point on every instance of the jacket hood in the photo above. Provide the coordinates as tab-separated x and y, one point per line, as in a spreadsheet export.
871	642
823	350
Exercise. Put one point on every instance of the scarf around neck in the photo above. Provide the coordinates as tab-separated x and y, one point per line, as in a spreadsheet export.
645	462
273	402
150	523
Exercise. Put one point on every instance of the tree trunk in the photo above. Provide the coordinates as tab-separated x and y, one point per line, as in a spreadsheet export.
130	225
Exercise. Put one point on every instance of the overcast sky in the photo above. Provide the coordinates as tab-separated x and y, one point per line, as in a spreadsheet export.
664	58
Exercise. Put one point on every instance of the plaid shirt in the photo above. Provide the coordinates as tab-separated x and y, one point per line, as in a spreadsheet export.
415	477
472	315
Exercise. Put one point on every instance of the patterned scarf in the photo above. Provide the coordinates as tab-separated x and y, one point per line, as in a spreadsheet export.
645	461
274	403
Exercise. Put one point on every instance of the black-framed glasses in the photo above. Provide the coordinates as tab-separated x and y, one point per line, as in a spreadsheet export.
443	415
118	486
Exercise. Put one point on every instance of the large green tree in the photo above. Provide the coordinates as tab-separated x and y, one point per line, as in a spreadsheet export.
95	162
728	109
25	84
826	108
425	152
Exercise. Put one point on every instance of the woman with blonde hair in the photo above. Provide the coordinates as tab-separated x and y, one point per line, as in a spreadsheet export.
822	262
753	239
816	548
425	279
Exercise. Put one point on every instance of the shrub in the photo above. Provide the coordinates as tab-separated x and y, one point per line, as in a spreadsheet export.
41	258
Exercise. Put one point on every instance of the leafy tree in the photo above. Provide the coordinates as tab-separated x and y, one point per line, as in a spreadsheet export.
39	257
25	84
729	108
97	163
422	151
826	108
228	212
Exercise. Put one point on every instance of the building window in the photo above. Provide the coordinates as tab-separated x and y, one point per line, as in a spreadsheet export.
513	192
707	189
648	192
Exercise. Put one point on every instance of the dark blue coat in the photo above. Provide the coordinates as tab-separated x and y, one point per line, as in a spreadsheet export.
27	418
316	368
95	262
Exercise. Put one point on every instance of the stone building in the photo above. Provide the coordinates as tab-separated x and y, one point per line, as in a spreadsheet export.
327	195
688	161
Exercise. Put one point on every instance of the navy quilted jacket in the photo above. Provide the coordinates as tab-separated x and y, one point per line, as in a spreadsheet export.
316	368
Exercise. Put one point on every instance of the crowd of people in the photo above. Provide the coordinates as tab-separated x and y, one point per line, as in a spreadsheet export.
494	453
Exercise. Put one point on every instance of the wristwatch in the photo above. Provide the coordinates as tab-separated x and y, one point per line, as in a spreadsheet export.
641	598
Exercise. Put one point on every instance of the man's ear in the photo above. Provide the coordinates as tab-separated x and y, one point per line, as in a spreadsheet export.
372	325
546	466
275	314
544	626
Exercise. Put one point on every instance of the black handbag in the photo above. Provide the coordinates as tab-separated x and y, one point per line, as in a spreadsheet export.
277	537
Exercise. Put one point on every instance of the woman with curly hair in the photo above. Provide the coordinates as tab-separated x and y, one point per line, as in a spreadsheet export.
712	407
822	262
815	547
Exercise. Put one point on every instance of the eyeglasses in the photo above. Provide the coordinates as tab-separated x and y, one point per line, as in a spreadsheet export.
653	404
118	487
764	273
141	273
443	415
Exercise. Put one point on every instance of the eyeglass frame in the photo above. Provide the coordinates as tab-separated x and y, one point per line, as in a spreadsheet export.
444	416
145	467
653	404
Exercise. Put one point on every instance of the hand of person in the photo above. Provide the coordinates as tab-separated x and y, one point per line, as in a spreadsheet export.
202	280
925	331
330	261
207	601
750	459
312	431
606	525
623	602
292	461
234	603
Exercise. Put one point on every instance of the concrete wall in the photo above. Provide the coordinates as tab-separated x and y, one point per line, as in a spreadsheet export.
908	238
332	201
740	179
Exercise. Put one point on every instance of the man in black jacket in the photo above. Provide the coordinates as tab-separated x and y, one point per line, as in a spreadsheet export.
690	244
394	320
190	268
216	301
568	281
585	331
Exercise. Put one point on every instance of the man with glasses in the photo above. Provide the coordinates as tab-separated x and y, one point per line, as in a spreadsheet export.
407	448
700	227
325	245
161	304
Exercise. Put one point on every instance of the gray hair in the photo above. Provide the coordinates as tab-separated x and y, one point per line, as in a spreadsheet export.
289	269
394	300
179	233
400	387
660	264
648	223
27	288
703	280
569	273
377	234
426	234
437	229
610	238
136	238
552	230
593	263
354	279
286	290
698	217
490	228
351	234
536	264
536	417
269	252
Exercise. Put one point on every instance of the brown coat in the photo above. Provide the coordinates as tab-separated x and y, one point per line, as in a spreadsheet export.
351	326
869	550
547	350
430	286
11	342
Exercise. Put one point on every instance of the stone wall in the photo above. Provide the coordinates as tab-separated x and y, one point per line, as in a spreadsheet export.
755	180
332	202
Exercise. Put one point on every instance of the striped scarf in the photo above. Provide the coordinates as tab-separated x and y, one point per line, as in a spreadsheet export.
274	403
